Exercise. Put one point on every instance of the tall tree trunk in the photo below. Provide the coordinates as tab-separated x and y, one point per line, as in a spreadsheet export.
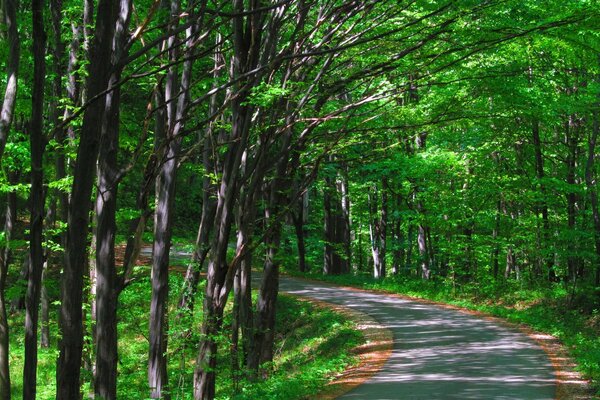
409	245
330	264
543	206
336	225
496	250
45	311
6	118
108	286
246	39
343	222
209	206
71	320
175	97
219	273
12	71
378	228
36	265
299	220
165	189
591	186
399	250
5	255
423	253
571	142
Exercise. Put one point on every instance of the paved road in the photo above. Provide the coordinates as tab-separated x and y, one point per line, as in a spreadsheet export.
441	353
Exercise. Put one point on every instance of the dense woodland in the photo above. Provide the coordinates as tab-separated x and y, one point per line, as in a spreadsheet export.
450	141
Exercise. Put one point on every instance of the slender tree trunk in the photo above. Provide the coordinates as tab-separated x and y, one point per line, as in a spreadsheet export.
176	97
12	71
378	228
496	250
108	286
343	223
423	254
330	264
300	230
336	225
6	117
246	39
571	141
36	265
265	304
5	255
591	185
209	206
105	382
543	207
409	245
165	188
71	320
399	250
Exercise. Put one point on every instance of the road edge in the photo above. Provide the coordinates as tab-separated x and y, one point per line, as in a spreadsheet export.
372	354
570	385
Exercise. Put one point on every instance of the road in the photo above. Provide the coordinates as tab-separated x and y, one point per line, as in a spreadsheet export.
441	353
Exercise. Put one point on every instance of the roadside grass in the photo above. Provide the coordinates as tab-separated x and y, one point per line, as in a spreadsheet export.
574	320
312	345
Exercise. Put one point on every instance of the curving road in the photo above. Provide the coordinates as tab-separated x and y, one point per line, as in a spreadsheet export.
440	353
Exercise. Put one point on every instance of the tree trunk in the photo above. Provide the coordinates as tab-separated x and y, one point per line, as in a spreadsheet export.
12	71
71	320
165	189
343	223
336	225
209	206
571	142
591	186
36	265
175	103
378	228
399	250
330	266
300	239
108	286
423	254
245	57
496	250
543	206
5	255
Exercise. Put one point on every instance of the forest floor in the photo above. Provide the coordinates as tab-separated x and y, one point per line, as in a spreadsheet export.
442	351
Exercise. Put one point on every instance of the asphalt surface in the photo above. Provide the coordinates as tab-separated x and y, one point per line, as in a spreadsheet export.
441	353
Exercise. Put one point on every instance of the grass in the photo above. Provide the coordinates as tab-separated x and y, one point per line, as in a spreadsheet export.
312	345
574	320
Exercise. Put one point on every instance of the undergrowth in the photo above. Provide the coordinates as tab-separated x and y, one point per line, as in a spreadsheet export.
312	345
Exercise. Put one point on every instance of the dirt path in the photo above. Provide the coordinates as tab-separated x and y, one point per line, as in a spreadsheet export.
441	353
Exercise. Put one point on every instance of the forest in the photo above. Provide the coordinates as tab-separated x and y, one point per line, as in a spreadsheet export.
155	155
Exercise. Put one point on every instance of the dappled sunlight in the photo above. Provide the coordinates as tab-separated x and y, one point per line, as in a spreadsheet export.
442	353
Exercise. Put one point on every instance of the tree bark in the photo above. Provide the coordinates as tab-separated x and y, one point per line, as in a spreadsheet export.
572	144
192	276
12	71
220	275
299	220
336	205
5	255
71	319
108	286
176	98
543	206
591	186
378	228
36	265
